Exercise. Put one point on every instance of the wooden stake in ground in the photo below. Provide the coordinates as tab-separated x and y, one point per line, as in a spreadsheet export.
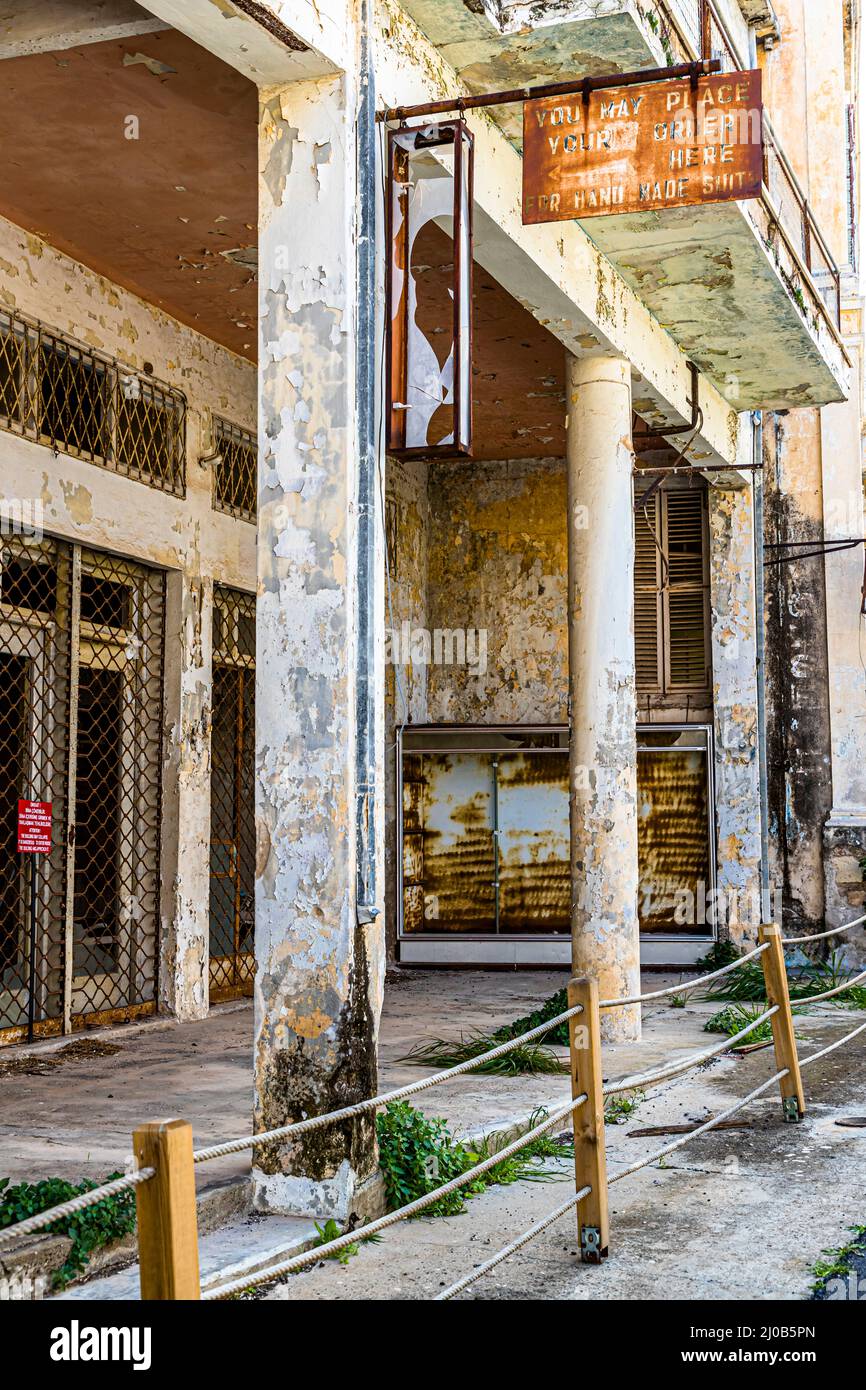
590	1164
165	1206
782	1022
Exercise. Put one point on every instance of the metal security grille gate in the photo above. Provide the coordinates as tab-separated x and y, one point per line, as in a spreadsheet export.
233	831
81	680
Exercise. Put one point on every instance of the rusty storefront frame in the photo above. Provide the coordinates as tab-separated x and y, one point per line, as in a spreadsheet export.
231	968
82	639
491	948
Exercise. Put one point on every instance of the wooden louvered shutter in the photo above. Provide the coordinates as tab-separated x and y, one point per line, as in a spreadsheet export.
647	605
685	600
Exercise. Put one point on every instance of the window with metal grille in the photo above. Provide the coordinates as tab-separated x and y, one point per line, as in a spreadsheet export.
233	832
672	592
234	475
83	403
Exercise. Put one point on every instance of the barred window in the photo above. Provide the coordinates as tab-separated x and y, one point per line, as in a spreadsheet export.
83	403
234	486
72	401
672	592
150	434
234	626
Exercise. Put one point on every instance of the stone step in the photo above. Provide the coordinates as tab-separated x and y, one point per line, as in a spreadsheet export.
243	1246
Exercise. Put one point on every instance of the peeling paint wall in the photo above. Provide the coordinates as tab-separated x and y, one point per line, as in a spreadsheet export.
798	713
319	973
407	524
95	507
732	596
498	562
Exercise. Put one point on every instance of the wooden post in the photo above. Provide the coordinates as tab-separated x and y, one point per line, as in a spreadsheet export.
776	980
590	1165
167	1231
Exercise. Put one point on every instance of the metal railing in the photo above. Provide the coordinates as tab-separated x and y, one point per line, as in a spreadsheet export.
164	1177
693	28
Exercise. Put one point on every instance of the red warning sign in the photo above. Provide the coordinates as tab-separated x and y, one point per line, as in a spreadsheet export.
34	827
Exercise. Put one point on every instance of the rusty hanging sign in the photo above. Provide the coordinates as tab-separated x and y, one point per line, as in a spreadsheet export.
428	311
643	148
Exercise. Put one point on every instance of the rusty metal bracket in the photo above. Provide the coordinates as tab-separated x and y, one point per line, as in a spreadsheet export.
704	67
694	424
590	1245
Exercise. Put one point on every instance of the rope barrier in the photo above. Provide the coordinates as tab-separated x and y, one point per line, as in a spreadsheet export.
831	993
515	1245
565	1207
680	988
363	1107
43	1219
332	1247
701	1129
348	1112
822	935
816	1056
641	1079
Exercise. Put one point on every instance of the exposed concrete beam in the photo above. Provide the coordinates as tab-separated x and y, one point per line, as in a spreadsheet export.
556	272
272	43
53	25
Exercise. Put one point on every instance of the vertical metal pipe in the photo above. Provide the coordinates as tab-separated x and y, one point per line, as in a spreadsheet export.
760	656
365	382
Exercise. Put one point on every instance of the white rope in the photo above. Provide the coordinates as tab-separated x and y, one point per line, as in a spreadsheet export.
701	1129
816	1056
685	986
572	1202
348	1112
822	935
515	1245
361	1233
831	993
363	1107
637	1082
43	1219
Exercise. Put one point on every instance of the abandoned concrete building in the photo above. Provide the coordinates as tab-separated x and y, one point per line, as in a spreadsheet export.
525	632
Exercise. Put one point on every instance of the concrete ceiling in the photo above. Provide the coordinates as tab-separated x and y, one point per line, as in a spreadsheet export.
162	214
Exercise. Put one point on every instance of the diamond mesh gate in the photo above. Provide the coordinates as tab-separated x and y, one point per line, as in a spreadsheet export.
233	833
81	662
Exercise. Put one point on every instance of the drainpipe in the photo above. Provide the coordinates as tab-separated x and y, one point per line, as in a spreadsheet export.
760	655
365	382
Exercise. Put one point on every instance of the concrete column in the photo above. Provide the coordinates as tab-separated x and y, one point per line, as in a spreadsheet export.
319	969
735	701
603	757
185	853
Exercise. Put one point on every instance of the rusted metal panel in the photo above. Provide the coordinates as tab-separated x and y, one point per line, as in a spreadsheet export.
673	840
534	874
643	148
457	845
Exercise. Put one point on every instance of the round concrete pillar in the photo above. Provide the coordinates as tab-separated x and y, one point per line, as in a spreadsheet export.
603	755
